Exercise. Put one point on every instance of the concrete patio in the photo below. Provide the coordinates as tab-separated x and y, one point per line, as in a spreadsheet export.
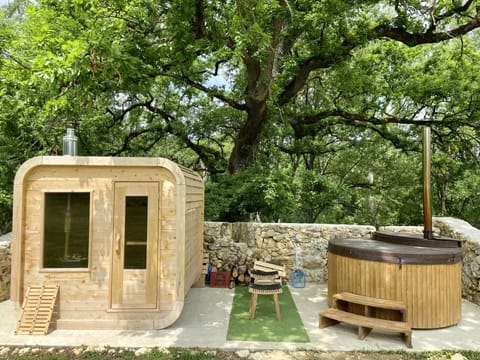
204	324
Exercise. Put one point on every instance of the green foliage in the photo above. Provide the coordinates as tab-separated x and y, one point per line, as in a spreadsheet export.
336	189
301	99
319	198
248	194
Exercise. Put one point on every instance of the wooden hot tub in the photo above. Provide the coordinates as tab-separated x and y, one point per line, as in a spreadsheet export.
424	274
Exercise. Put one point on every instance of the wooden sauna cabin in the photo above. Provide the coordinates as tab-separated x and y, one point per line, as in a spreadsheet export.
122	238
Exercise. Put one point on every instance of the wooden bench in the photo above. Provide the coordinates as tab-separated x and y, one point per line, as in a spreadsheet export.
366	321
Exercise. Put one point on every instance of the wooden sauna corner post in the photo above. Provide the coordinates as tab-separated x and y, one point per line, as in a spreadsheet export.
121	237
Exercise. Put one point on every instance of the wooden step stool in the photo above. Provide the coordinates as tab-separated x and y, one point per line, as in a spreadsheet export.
366	321
265	289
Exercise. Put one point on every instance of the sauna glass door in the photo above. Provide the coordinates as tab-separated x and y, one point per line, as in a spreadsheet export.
135	246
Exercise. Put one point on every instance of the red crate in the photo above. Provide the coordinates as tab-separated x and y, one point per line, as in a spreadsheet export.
219	279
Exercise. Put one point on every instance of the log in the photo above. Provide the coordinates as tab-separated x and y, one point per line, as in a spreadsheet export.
241	278
234	272
247	278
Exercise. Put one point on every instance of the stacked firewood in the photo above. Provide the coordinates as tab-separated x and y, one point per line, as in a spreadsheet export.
239	275
217	266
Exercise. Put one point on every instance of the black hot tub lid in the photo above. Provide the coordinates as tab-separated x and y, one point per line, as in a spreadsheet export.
375	250
416	239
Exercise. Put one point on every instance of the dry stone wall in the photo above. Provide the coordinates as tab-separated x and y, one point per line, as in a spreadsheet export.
242	243
470	236
5	265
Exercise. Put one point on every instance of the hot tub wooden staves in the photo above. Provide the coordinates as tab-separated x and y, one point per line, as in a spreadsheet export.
425	277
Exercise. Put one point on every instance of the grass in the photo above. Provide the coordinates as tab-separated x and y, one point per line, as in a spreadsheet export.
210	354
265	326
120	354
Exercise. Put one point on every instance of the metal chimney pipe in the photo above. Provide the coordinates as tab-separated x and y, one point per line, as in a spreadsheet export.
70	143
427	190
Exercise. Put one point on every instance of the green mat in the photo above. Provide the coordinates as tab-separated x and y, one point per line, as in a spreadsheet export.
265	326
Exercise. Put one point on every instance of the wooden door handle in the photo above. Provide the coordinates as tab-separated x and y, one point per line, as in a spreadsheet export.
117	243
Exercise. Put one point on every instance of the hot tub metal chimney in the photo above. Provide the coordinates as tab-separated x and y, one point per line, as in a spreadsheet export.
70	143
427	191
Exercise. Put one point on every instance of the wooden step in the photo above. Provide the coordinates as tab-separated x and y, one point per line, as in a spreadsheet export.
37	310
365	324
370	301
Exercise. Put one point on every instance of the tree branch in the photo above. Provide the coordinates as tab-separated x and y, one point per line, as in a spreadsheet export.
382	31
15	60
118	116
306	67
428	37
454	11
210	157
198	26
232	103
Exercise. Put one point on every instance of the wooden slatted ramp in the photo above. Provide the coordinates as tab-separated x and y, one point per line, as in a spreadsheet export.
37	310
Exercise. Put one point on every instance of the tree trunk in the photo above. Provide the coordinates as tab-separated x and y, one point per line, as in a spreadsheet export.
249	136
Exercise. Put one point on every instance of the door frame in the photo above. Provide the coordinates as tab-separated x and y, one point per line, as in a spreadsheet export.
135	289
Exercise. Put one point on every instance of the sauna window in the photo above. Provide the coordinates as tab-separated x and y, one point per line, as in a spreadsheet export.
136	220
66	230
